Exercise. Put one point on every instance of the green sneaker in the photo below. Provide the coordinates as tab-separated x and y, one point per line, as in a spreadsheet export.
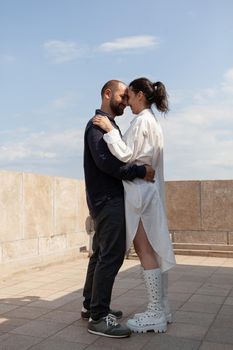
108	327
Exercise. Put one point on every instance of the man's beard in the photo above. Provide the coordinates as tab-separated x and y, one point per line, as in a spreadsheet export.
117	109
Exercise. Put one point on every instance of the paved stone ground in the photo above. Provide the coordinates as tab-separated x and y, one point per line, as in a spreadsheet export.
40	308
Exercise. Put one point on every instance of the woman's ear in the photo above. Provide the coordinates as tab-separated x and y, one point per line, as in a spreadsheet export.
140	95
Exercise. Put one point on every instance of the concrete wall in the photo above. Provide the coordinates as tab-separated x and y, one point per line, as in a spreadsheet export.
42	218
200	211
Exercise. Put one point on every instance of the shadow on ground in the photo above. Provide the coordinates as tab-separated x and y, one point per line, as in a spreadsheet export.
40	309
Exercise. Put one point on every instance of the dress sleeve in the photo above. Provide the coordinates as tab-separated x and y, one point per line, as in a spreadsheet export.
106	162
126	150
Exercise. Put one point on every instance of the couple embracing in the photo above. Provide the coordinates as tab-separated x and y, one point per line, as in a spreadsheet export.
125	195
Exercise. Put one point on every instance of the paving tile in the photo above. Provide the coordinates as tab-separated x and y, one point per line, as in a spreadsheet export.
185	330
131	283
61	316
208	299
200	307
193	277
221	279
27	312
76	335
176	304
19	300
169	342
196	318
58	345
179	296
135	342
229	301
125	300
215	346
136	293
17	342
7	325
220	335
42	329
64	297
225	313
119	291
80	323
223	322
200	295
213	289
44	304
6	307
113	346
228	263
185	287
74	306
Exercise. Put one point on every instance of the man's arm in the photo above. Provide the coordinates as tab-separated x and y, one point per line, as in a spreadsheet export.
106	162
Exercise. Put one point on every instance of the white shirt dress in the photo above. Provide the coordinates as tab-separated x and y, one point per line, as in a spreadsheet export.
143	144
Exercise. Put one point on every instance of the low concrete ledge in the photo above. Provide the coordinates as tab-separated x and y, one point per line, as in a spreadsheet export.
200	217
43	218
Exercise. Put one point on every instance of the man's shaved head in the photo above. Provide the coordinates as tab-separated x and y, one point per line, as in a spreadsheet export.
112	85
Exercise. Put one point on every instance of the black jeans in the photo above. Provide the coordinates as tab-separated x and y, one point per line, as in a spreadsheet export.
107	258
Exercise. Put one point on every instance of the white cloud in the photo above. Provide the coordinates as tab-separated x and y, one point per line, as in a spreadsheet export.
129	43
204	94
198	133
62	51
199	137
66	51
227	84
41	145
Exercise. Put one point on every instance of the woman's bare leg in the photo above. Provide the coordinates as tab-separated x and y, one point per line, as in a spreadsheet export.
144	249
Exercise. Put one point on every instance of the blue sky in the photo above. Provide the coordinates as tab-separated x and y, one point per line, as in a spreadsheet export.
55	56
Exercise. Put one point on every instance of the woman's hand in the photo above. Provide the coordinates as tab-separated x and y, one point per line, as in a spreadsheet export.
103	122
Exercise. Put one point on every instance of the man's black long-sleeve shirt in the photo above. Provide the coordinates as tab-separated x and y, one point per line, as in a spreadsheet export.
103	172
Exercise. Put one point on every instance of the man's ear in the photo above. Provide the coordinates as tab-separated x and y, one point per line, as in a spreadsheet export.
108	94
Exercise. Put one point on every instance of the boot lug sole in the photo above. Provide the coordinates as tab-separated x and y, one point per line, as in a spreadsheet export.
145	329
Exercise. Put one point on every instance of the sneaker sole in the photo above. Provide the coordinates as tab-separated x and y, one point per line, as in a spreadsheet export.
108	335
162	328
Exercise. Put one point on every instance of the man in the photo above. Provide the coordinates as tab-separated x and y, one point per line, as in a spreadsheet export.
105	199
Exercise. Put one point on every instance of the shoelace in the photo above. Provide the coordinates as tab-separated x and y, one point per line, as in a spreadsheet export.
110	320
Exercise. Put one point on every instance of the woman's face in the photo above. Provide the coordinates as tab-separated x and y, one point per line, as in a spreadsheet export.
133	101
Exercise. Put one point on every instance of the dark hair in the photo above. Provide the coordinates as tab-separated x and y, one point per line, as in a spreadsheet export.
111	84
154	92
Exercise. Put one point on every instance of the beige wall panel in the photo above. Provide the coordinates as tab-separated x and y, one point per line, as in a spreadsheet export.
82	209
65	206
217	205
10	206
205	237
183	205
21	249
52	244
38	205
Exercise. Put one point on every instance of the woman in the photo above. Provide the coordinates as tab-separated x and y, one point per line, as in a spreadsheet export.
146	222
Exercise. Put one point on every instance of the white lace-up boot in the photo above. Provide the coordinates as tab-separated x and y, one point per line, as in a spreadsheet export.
154	317
165	301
